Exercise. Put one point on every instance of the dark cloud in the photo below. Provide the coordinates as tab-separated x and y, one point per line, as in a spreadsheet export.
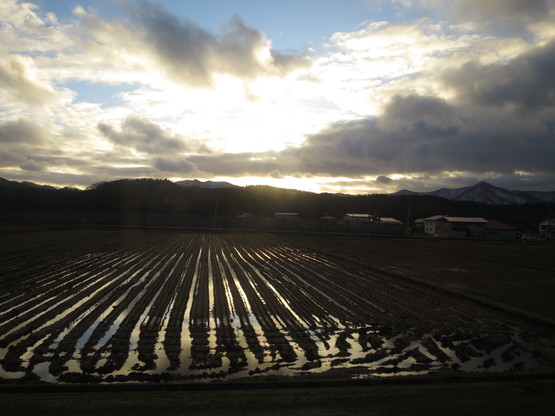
144	136
21	142
184	49
426	134
11	159
504	17
384	180
174	166
191	55
21	131
526	82
288	62
415	113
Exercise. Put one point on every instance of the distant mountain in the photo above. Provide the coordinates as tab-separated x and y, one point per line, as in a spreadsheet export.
4	183
207	184
487	193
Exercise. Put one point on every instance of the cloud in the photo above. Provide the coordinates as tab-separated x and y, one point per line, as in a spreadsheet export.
144	136
240	164
16	82
393	104
21	143
23	28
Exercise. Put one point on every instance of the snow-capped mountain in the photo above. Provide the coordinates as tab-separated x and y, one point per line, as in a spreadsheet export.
206	184
489	194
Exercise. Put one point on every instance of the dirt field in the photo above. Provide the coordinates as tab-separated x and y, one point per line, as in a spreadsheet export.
143	305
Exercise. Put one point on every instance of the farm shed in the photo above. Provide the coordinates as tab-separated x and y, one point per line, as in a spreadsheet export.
286	219
352	218
419	226
498	230
460	227
357	221
386	225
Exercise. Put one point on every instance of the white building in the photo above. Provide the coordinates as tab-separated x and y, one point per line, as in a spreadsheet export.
547	228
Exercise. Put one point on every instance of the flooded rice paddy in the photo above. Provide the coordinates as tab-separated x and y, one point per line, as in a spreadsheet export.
170	306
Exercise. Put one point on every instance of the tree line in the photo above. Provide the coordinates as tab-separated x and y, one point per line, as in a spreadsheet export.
161	196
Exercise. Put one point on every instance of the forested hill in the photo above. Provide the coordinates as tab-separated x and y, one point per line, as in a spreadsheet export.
159	196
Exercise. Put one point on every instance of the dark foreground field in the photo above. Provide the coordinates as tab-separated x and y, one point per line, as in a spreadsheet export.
506	398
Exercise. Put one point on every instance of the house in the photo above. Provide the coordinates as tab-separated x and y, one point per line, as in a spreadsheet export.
459	227
547	228
430	224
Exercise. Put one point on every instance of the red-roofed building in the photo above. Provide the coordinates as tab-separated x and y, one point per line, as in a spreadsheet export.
498	230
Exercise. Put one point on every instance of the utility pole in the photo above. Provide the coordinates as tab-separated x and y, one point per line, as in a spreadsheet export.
408	219
215	214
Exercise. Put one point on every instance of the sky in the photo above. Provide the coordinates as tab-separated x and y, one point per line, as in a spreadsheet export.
347	96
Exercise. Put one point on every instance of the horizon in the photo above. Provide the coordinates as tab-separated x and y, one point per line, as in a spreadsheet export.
352	97
279	187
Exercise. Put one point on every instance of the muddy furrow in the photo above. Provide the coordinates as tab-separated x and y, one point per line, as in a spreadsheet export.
292	323
149	283
61	318
94	343
262	303
247	329
407	299
228	333
267	332
296	293
152	330
48	313
178	321
42	299
199	325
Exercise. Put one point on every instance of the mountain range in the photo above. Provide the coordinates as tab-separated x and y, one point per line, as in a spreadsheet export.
5	183
206	184
487	193
482	192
